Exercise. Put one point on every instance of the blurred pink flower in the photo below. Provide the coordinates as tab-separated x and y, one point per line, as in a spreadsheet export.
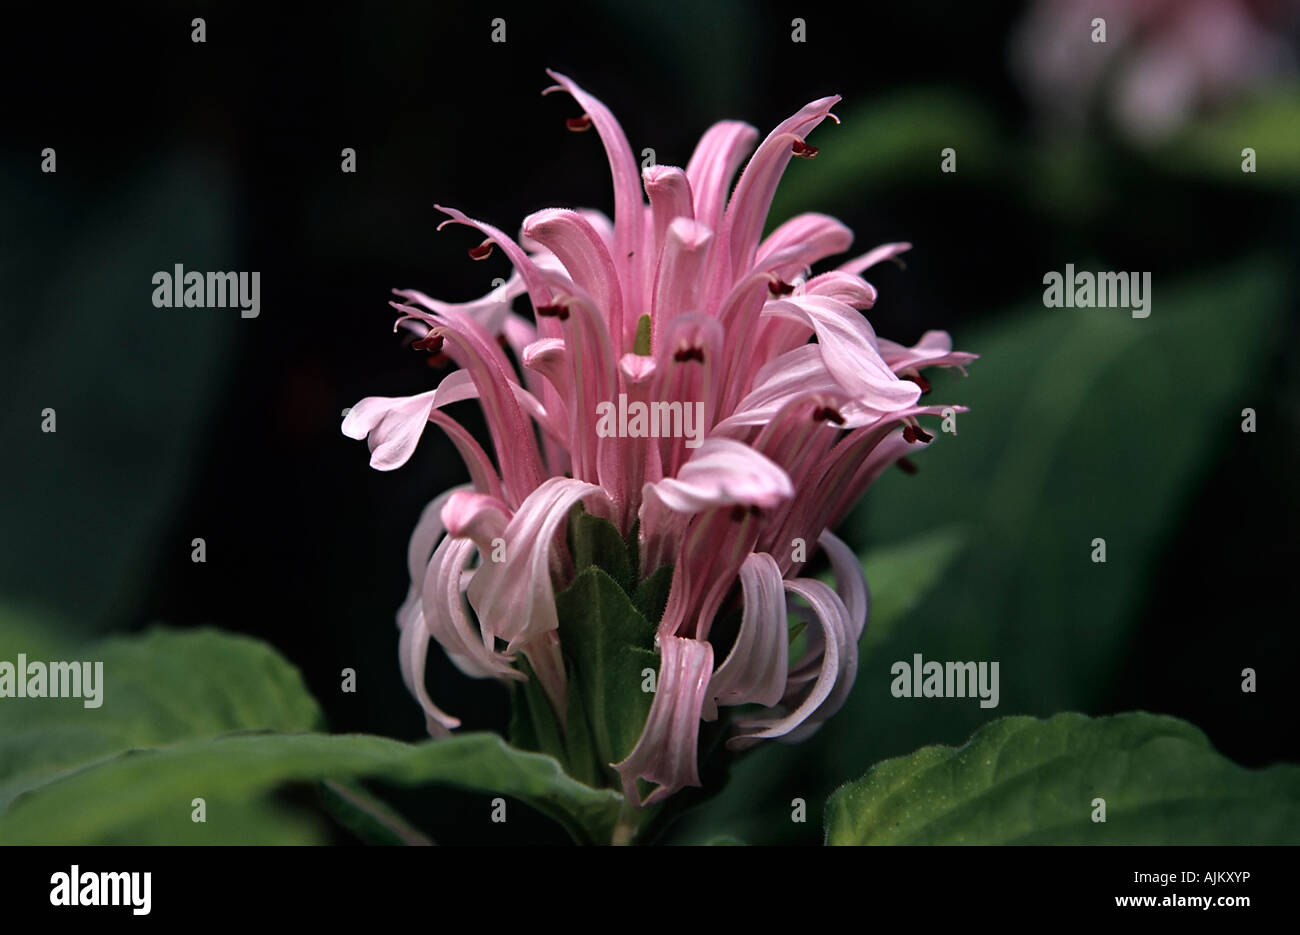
1162	61
680	300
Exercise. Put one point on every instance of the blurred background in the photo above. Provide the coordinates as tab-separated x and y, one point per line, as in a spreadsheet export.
1126	155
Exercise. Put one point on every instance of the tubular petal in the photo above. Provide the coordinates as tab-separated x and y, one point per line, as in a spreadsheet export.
666	752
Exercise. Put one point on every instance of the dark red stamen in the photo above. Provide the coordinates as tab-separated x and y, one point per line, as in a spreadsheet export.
689	353
923	435
779	287
906	466
482	251
919	380
909	435
829	414
553	311
430	342
803	150
579	124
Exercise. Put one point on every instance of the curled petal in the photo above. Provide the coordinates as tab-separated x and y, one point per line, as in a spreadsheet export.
428	530
933	350
838	658
756	667
850	582
391	426
848	346
476	516
869	259
800	242
666	752
722	472
412	652
852	290
470	648
515	599
670	197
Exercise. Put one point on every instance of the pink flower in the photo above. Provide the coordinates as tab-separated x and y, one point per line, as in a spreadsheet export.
677	301
1161	62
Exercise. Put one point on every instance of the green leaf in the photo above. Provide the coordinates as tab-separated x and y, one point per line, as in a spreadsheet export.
158	688
899	576
596	542
154	787
1069	410
367	817
651	595
1026	781
608	643
533	725
1212	146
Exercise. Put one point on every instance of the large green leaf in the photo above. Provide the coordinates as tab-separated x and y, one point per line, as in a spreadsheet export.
158	688
225	718
154	787
1084	424
1026	781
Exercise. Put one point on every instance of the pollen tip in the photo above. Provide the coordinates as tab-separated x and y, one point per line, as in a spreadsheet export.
829	414
803	150
579	124
430	342
482	251
553	311
919	380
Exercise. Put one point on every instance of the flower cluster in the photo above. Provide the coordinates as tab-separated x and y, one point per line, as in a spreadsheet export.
680	300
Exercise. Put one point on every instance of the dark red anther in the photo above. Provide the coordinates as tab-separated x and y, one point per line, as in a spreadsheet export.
803	150
553	311
923	435
919	380
778	286
689	353
501	340
482	251
829	414
906	466
909	435
430	342
579	124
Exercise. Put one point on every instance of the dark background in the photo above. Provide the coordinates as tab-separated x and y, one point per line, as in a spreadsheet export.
177	423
